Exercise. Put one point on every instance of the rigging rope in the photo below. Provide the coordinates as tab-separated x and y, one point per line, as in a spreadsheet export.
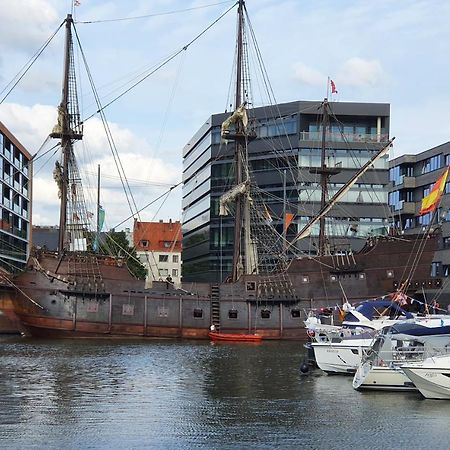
145	16
184	48
28	65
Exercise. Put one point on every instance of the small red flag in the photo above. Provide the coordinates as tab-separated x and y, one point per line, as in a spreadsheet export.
288	218
333	87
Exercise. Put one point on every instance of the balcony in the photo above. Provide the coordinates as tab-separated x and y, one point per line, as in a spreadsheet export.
405	207
338	137
404	182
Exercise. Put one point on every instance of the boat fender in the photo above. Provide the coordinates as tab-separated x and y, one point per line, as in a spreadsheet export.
304	368
310	333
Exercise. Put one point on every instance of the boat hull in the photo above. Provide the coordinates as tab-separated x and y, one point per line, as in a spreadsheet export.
340	358
432	382
60	295
234	337
47	307
381	378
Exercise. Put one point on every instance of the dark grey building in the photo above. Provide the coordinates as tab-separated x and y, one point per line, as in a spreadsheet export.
46	237
286	152
15	207
412	177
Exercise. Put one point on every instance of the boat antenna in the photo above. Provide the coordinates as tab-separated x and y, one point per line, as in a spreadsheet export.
68	129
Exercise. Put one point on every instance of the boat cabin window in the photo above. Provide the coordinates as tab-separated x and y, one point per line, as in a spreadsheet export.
198	313
295	313
265	314
232	314
251	286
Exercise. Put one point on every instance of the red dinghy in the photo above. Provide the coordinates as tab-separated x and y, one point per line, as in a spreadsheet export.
229	337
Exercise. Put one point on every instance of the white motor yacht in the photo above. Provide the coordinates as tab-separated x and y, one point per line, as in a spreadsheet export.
381	366
343	356
431	377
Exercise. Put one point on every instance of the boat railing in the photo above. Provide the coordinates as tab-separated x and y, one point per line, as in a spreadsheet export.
400	355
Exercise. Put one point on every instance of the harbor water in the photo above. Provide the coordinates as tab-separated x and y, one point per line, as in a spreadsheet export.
196	395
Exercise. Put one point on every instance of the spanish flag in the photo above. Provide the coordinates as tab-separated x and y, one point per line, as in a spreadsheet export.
430	202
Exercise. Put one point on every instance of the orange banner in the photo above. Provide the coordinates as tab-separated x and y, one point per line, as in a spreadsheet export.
288	218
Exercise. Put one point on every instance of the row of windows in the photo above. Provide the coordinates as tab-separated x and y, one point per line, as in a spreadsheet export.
396	198
165	258
345	159
233	313
397	173
433	163
278	127
13	154
197	208
165	272
352	196
198	150
347	129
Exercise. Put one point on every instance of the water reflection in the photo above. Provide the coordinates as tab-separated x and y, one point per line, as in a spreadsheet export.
173	394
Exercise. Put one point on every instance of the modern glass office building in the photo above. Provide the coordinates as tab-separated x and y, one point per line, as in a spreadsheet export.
412	177
284	159
15	206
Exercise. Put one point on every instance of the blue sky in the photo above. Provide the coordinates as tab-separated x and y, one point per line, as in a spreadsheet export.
386	51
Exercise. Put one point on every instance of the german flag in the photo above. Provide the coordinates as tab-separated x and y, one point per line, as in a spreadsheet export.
431	201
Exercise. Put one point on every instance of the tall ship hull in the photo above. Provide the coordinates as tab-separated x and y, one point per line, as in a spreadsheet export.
102	299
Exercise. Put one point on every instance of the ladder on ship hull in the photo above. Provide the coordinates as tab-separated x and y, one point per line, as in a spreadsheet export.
215	306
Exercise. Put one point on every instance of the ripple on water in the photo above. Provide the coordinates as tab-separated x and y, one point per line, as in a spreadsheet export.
173	394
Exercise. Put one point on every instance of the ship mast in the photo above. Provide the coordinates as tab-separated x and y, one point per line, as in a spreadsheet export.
67	130
306	230
240	137
325	173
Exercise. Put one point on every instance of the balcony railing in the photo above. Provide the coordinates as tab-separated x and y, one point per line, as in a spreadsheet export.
338	137
405	207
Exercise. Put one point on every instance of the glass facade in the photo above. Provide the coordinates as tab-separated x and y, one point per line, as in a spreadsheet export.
208	172
14	204
433	163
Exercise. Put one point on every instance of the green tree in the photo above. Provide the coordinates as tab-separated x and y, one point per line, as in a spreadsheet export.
116	243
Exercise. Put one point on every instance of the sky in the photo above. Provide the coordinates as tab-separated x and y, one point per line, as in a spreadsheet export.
388	51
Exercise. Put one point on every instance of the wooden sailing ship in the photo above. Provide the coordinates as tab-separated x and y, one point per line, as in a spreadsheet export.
77	293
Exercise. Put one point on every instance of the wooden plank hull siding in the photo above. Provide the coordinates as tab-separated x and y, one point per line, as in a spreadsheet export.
51	301
9	322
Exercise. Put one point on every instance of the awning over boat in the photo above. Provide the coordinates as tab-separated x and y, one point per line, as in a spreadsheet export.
374	308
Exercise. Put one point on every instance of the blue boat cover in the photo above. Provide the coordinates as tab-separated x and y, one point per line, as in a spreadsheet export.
373	308
415	329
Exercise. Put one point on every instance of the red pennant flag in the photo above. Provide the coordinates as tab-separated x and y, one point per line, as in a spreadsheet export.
288	218
333	87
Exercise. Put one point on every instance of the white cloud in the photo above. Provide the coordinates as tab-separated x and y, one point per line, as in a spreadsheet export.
26	24
309	75
31	126
360	72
